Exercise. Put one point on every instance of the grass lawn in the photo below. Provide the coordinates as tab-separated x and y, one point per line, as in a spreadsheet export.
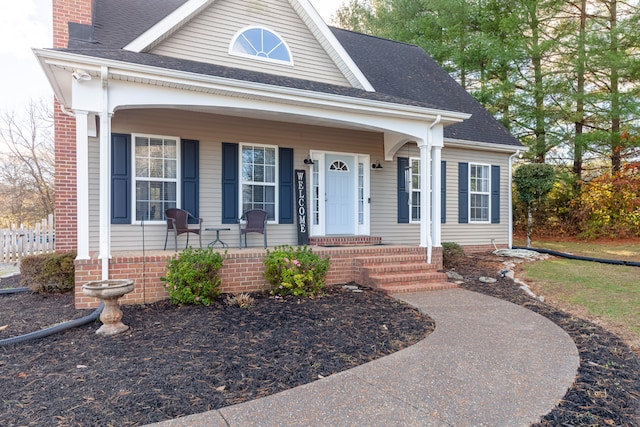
626	250
609	293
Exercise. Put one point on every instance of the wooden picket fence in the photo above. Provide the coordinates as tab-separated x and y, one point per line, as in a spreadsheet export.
17	242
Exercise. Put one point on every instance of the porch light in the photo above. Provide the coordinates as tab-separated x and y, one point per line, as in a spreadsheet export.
81	75
308	160
376	165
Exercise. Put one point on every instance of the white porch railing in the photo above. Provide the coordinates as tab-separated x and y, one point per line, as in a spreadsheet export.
17	242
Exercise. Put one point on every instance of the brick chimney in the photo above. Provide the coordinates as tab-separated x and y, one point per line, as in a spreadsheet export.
80	12
65	11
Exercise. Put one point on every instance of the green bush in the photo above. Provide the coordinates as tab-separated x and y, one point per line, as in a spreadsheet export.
452	253
297	271
49	273
192	276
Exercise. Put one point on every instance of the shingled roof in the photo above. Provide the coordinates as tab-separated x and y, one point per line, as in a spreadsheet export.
400	73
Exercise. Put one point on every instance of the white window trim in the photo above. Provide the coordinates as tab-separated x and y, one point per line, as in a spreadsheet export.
260	58
411	189
276	211
364	228
487	193
134	177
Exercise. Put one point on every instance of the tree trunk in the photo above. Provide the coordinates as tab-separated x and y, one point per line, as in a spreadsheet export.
578	145
529	224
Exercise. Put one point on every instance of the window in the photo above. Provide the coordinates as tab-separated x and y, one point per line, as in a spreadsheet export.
414	188
259	180
260	43
316	192
339	166
360	193
479	192
156	176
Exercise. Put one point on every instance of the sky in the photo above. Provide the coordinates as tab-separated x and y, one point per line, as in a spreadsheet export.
26	24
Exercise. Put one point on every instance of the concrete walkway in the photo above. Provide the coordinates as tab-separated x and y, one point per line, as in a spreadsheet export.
488	363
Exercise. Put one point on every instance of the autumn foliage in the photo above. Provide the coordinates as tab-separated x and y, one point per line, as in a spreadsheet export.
609	206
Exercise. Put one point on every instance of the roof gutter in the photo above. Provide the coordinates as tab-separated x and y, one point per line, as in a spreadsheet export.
50	58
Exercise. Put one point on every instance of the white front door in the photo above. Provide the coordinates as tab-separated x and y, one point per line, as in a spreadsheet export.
340	198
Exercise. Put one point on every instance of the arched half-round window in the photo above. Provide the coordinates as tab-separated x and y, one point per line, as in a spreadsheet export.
260	43
339	165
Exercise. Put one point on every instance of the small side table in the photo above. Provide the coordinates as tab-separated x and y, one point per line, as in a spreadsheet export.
218	230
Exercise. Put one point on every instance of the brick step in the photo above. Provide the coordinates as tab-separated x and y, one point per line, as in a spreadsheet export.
416	287
408	277
396	259
408	267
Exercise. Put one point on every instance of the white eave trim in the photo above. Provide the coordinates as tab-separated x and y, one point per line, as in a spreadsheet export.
51	58
486	146
167	25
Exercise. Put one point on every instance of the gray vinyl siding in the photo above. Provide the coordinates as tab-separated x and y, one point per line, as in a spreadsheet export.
94	194
384	206
211	131
207	37
475	234
384	202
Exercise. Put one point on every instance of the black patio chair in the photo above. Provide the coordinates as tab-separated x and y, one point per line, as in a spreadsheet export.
178	222
255	221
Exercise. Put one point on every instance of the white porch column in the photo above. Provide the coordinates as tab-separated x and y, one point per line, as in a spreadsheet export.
82	183
425	200
105	181
437	142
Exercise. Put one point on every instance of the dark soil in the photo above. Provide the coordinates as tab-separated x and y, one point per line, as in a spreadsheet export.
205	358
177	361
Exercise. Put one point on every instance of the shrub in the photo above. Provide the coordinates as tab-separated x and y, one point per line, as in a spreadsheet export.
49	273
296	271
452	253
242	300
192	276
609	206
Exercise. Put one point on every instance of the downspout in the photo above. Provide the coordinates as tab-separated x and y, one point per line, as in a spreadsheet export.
511	157
427	189
105	169
66	112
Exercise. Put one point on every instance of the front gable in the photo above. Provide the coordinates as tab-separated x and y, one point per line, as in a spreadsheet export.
207	33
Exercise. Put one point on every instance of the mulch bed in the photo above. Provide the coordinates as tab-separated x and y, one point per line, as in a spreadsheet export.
179	361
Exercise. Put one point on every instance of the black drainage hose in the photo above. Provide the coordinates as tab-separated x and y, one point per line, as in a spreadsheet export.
13	290
55	329
580	257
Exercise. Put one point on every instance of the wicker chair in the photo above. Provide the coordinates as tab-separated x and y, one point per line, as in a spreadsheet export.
178	222
255	221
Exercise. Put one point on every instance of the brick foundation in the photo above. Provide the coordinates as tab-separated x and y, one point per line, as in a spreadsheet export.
241	272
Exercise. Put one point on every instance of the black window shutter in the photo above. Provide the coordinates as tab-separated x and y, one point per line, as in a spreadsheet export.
230	178
463	193
191	178
120	179
286	190
495	194
443	192
403	196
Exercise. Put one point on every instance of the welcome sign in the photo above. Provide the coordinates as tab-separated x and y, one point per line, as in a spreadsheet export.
301	205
